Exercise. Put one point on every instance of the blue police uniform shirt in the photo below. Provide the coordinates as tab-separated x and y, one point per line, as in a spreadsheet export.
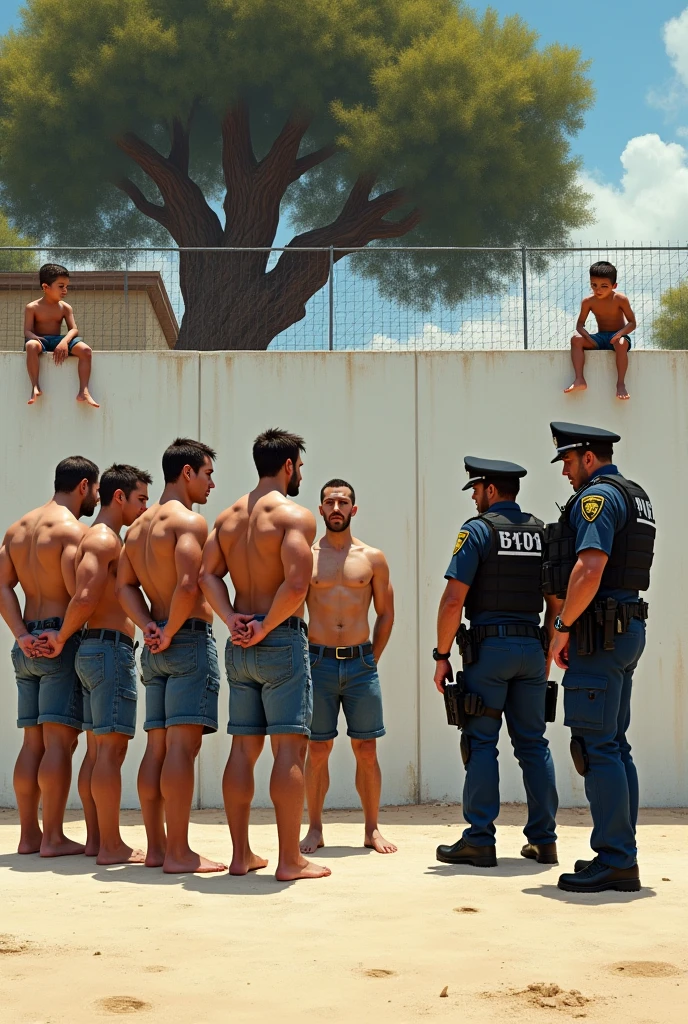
474	550
599	534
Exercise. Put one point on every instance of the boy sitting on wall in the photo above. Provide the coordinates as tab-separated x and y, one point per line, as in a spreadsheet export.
615	321
42	323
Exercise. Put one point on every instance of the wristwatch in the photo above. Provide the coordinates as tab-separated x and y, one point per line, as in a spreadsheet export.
440	657
560	626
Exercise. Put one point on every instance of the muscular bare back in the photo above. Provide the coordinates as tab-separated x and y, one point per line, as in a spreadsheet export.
42	546
101	546
341	592
251	535
151	543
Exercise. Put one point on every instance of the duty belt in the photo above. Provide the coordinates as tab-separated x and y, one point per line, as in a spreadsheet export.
109	634
341	653
612	617
469	640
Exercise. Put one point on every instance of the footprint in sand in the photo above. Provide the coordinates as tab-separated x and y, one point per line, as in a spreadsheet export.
9	945
378	972
465	910
645	969
122	1004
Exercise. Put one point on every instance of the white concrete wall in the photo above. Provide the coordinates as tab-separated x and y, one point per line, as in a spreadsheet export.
397	425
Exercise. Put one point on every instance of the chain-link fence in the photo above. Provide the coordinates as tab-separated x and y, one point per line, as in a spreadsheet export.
377	299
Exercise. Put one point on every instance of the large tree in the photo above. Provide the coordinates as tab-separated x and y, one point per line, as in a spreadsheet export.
361	121
15	259
670	325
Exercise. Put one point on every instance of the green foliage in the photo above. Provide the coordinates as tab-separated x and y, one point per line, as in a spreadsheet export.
15	261
670	326
465	114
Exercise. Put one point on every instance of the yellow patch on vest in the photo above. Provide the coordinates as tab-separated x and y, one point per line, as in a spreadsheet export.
591	506
460	540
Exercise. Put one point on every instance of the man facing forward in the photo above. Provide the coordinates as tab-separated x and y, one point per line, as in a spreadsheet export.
105	661
162	553
347	575
264	541
38	554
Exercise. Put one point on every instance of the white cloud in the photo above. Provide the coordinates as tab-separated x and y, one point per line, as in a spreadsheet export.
675	35
651	203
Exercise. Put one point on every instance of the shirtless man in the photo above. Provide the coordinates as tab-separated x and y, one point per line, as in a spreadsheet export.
264	542
615	321
105	661
347	576
162	554
38	553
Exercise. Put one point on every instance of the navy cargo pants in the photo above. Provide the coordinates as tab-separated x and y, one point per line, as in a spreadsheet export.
509	675
597	707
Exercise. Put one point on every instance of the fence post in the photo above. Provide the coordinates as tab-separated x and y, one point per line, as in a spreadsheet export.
524	276
331	299
126	294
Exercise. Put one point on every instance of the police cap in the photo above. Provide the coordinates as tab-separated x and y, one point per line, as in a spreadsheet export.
569	436
480	470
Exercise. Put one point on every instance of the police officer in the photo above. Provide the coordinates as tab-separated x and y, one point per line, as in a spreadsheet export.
598	558
495	576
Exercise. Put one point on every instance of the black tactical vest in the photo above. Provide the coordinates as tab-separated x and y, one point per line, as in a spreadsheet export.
509	580
628	567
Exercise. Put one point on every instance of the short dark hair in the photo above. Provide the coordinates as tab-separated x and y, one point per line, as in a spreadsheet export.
70	472
184	452
507	487
337	482
50	272
273	447
603	450
121	477
604	269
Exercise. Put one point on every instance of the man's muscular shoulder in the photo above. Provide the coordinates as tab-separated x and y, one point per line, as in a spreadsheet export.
185	520
102	541
291	516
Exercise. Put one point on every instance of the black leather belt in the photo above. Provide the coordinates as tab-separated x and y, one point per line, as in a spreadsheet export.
294	622
36	624
342	653
196	626
507	629
109	634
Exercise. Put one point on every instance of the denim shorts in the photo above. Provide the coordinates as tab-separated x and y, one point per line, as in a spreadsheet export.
270	690
183	682
352	684
49	688
107	671
51	341
603	341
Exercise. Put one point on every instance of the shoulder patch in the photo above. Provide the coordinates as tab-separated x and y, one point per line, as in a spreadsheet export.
591	506
460	541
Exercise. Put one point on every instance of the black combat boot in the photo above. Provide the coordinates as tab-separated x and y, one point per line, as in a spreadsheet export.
597	877
543	853
463	853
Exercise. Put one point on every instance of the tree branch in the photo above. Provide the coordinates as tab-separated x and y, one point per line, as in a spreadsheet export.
306	163
152	210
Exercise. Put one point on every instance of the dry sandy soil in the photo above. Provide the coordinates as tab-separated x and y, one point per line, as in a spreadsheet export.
397	938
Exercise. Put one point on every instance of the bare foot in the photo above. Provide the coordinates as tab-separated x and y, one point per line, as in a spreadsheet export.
622	393
240	866
30	843
313	841
155	858
192	863
62	848
303	869
85	396
35	393
377	842
122	855
92	848
579	384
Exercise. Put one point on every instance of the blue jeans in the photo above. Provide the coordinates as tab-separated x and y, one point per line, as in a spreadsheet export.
597	707
49	688
350	683
510	675
107	671
270	690
183	682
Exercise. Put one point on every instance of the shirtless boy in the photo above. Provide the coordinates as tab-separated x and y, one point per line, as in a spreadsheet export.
264	541
38	554
42	324
162	554
615	321
105	661
347	575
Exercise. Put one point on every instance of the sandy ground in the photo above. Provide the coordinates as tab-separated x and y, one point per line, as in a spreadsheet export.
380	940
